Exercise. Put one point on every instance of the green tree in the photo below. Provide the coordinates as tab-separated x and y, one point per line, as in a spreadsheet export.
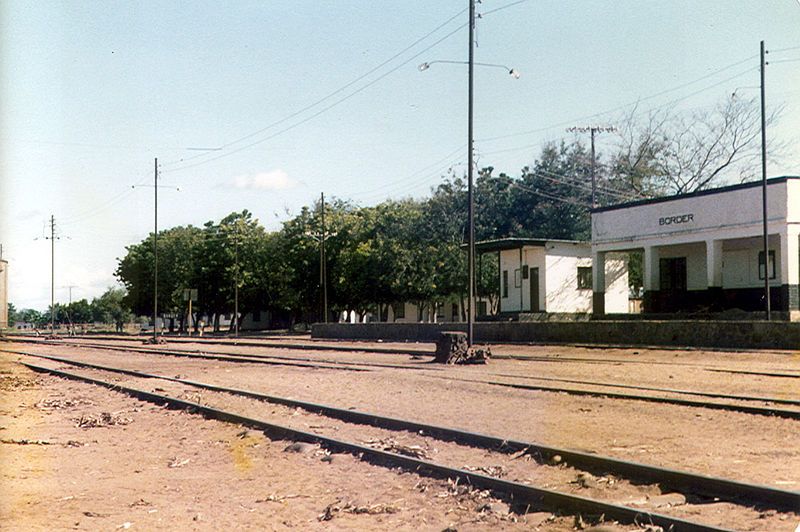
112	307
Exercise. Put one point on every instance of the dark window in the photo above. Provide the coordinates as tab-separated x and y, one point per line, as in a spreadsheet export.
673	273
505	283
399	310
584	277
524	271
771	264
454	311
517	278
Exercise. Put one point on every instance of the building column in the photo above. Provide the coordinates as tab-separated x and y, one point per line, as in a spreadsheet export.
651	276
714	272
790	273
598	283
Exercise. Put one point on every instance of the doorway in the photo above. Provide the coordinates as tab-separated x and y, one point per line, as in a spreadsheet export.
534	286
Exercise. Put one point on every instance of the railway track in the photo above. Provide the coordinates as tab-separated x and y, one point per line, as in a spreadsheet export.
521	493
322	345
365	366
238	357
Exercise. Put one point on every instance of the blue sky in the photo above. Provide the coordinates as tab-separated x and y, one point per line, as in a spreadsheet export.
94	91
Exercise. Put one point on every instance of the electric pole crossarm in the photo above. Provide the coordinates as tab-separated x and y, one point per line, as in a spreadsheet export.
592	130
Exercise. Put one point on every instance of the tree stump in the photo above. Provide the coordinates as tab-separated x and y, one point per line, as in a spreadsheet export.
452	348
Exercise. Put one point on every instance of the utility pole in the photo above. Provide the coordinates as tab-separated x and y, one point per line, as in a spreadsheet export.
236	287
52	275
52	239
764	187
470	192
323	271
155	252
592	130
70	287
321	236
155	246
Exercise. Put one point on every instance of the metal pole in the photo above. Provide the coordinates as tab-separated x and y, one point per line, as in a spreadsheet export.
594	201
470	196
155	253
236	288
322	267
764	188
52	275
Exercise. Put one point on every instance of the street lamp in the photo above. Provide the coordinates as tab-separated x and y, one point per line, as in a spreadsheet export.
470	137
513	72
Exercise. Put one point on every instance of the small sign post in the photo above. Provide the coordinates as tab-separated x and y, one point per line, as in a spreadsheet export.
190	294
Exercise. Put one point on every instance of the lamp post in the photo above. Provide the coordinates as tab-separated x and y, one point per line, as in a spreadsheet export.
470	140
765	236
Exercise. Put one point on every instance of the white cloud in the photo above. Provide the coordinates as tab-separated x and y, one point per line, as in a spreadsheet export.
272	180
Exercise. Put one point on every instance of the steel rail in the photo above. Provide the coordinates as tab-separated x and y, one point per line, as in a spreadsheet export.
746	409
519	493
666	390
419	352
295	361
699	484
228	358
286	345
760	373
247	355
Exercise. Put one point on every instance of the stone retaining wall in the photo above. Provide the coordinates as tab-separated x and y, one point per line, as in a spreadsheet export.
742	334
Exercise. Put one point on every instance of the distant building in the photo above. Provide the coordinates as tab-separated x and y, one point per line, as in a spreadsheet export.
704	252
553	276
3	294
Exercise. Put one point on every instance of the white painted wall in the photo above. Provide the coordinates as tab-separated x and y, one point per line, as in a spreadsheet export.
519	295
561	284
3	293
558	264
696	275
617	291
740	262
731	214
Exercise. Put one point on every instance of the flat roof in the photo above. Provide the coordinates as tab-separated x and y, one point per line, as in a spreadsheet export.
696	194
500	244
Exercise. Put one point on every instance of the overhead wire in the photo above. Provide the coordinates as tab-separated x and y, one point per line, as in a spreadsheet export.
555	197
438	163
345	98
93	211
336	91
627	105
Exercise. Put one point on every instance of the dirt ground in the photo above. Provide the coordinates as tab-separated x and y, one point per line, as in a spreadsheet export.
143	467
138	472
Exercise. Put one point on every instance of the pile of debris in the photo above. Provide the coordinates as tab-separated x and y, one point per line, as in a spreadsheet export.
452	348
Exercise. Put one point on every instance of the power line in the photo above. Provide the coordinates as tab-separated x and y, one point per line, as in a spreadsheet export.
321	111
562	199
495	10
331	94
404	180
577	182
639	100
792	60
778	50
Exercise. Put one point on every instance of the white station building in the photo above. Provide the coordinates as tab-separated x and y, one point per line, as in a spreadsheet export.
704	251
553	276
